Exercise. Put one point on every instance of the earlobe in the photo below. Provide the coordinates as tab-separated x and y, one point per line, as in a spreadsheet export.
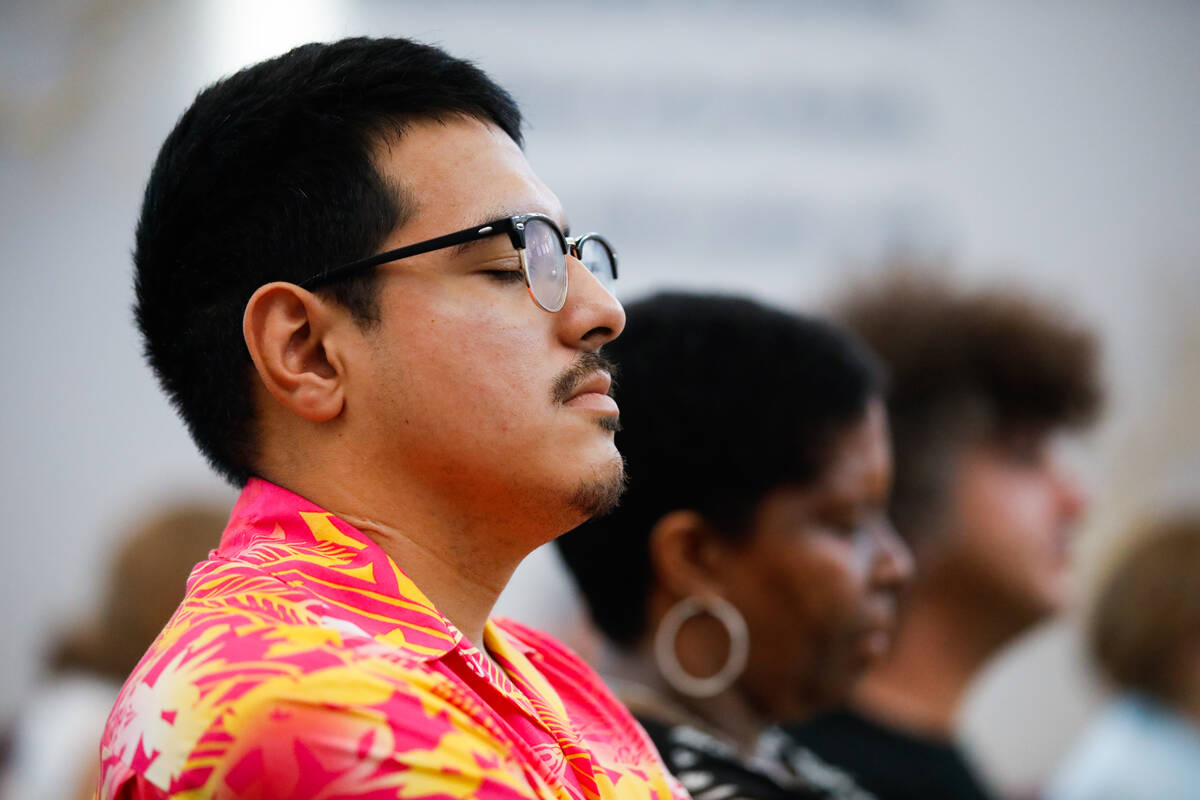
289	332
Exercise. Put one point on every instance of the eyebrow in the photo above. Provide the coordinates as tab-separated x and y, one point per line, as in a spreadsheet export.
466	246
504	214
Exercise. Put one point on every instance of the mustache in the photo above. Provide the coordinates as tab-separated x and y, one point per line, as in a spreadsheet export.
587	365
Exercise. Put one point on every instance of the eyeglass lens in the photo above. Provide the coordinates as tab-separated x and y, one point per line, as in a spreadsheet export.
596	256
546	265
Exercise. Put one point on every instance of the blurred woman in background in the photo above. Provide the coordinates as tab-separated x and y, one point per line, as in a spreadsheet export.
56	739
1145	637
750	574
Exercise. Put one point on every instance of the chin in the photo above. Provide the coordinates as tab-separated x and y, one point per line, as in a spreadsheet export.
600	492
1054	603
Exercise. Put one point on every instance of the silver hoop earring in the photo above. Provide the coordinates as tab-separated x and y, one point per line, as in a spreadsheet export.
668	662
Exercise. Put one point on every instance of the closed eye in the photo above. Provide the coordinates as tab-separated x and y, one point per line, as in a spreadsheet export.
505	275
506	268
847	522
848	529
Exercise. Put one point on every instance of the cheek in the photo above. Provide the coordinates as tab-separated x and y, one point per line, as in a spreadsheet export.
1010	515
1012	542
807	606
453	390
813	589
475	364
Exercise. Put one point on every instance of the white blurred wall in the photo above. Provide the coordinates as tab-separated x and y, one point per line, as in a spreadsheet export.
761	146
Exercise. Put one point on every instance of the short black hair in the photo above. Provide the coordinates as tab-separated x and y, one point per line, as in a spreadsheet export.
269	175
722	400
962	365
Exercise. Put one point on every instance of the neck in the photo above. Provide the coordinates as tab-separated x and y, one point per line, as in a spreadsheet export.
639	685
940	647
462	586
459	559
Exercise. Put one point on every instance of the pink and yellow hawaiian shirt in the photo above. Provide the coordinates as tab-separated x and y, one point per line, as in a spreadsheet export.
303	663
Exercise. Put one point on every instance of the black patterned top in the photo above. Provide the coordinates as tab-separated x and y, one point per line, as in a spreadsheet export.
780	769
894	764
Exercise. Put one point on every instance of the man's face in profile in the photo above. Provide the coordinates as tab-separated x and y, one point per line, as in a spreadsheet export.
496	403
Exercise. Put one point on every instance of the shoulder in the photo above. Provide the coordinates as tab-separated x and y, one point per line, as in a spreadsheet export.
303	720
1131	750
253	682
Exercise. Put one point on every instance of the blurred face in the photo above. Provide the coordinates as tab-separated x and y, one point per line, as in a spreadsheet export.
818	576
488	402
1015	505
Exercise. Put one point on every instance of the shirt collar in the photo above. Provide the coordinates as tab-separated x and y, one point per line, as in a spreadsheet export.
361	591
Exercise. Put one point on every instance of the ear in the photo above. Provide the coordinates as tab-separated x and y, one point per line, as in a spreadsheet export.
686	553
291	335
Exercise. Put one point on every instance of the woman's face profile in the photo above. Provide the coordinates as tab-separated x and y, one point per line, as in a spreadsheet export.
818	575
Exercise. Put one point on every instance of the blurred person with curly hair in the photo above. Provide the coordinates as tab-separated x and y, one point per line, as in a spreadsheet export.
981	385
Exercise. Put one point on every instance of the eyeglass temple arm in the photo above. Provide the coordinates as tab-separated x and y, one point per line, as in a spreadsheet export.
449	240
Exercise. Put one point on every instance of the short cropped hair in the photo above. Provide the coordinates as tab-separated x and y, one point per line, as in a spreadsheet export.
722	400
965	366
270	175
1148	609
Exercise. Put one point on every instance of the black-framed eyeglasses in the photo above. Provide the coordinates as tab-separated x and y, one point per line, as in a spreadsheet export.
539	241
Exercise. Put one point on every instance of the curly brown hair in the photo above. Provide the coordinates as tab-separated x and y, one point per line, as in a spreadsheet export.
965	366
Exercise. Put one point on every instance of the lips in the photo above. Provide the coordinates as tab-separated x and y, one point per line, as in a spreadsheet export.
875	637
592	393
598	383
884	615
875	643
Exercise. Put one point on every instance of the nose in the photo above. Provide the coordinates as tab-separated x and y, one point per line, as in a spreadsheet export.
1072	497
592	316
893	565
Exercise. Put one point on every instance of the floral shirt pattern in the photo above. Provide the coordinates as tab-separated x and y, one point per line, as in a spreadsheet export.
303	663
